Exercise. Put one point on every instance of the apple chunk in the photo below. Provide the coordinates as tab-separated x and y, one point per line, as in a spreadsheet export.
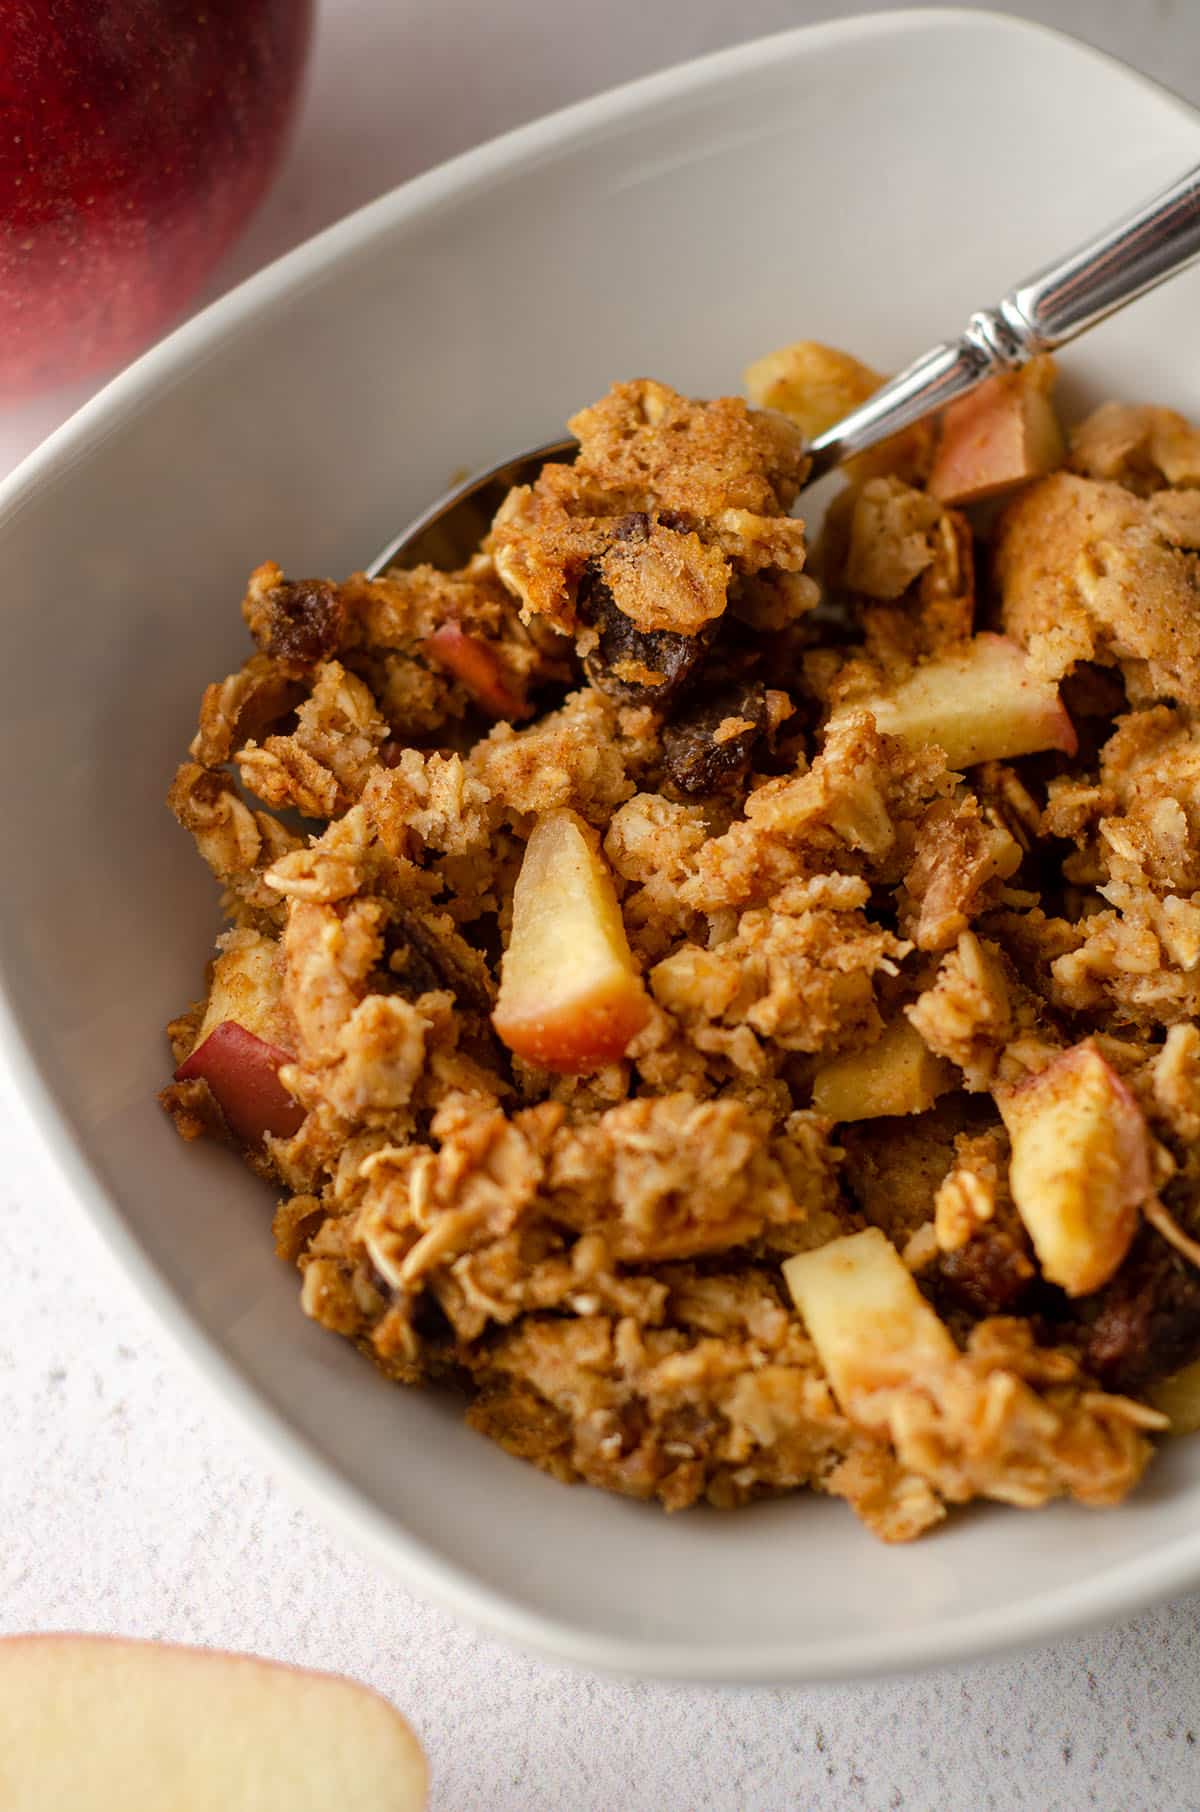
570	994
898	1074
1003	434
1080	1167
243	1073
98	1724
982	701
246	985
816	385
476	665
813	384
873	1330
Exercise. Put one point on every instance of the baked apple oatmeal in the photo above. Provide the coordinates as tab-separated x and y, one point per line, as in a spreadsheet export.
730	1008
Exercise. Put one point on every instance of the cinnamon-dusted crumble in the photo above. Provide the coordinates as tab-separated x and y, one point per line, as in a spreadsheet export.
740	1030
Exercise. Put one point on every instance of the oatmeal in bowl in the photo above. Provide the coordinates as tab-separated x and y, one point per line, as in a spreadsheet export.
728	1007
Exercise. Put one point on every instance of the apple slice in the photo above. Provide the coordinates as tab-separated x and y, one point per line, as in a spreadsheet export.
816	385
475	664
873	1330
246	985
100	1724
243	1073
570	996
982	701
1000	436
898	1074
1081	1166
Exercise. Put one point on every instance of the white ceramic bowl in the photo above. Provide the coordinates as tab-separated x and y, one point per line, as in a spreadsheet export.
867	183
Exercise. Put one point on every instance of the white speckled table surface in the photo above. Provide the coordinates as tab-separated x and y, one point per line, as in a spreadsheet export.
126	1505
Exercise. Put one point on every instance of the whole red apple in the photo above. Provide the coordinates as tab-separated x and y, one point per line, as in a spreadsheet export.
136	137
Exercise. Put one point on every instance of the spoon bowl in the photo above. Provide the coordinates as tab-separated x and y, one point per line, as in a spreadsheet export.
450	530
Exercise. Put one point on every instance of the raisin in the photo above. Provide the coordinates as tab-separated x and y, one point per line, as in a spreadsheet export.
988	1275
304	622
695	760
1143	1325
433	960
429	1319
658	651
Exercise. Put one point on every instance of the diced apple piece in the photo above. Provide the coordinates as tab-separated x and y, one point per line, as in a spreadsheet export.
475	663
813	384
1178	1397
980	702
243	1073
816	385
873	1330
1003	434
571	997
246	986
98	1724
898	1074
1081	1166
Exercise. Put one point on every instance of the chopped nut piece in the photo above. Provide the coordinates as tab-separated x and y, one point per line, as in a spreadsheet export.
965	1202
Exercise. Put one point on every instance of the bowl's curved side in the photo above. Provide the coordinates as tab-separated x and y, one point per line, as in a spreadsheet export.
683	226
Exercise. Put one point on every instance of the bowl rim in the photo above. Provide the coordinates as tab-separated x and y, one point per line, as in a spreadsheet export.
1127	1586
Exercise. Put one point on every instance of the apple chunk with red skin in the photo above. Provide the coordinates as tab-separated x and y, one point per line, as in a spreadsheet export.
475	664
1000	436
570	996
1081	1166
242	1071
99	1724
982	701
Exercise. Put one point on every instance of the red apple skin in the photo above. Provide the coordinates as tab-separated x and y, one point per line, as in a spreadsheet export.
579	1038
475	664
571	996
138	137
243	1073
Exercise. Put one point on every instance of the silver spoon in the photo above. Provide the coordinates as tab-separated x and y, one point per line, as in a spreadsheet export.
1142	250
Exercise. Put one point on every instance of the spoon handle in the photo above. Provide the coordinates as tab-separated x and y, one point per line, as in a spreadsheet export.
1046	310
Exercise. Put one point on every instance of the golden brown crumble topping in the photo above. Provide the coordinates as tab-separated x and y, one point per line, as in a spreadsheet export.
742	1031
